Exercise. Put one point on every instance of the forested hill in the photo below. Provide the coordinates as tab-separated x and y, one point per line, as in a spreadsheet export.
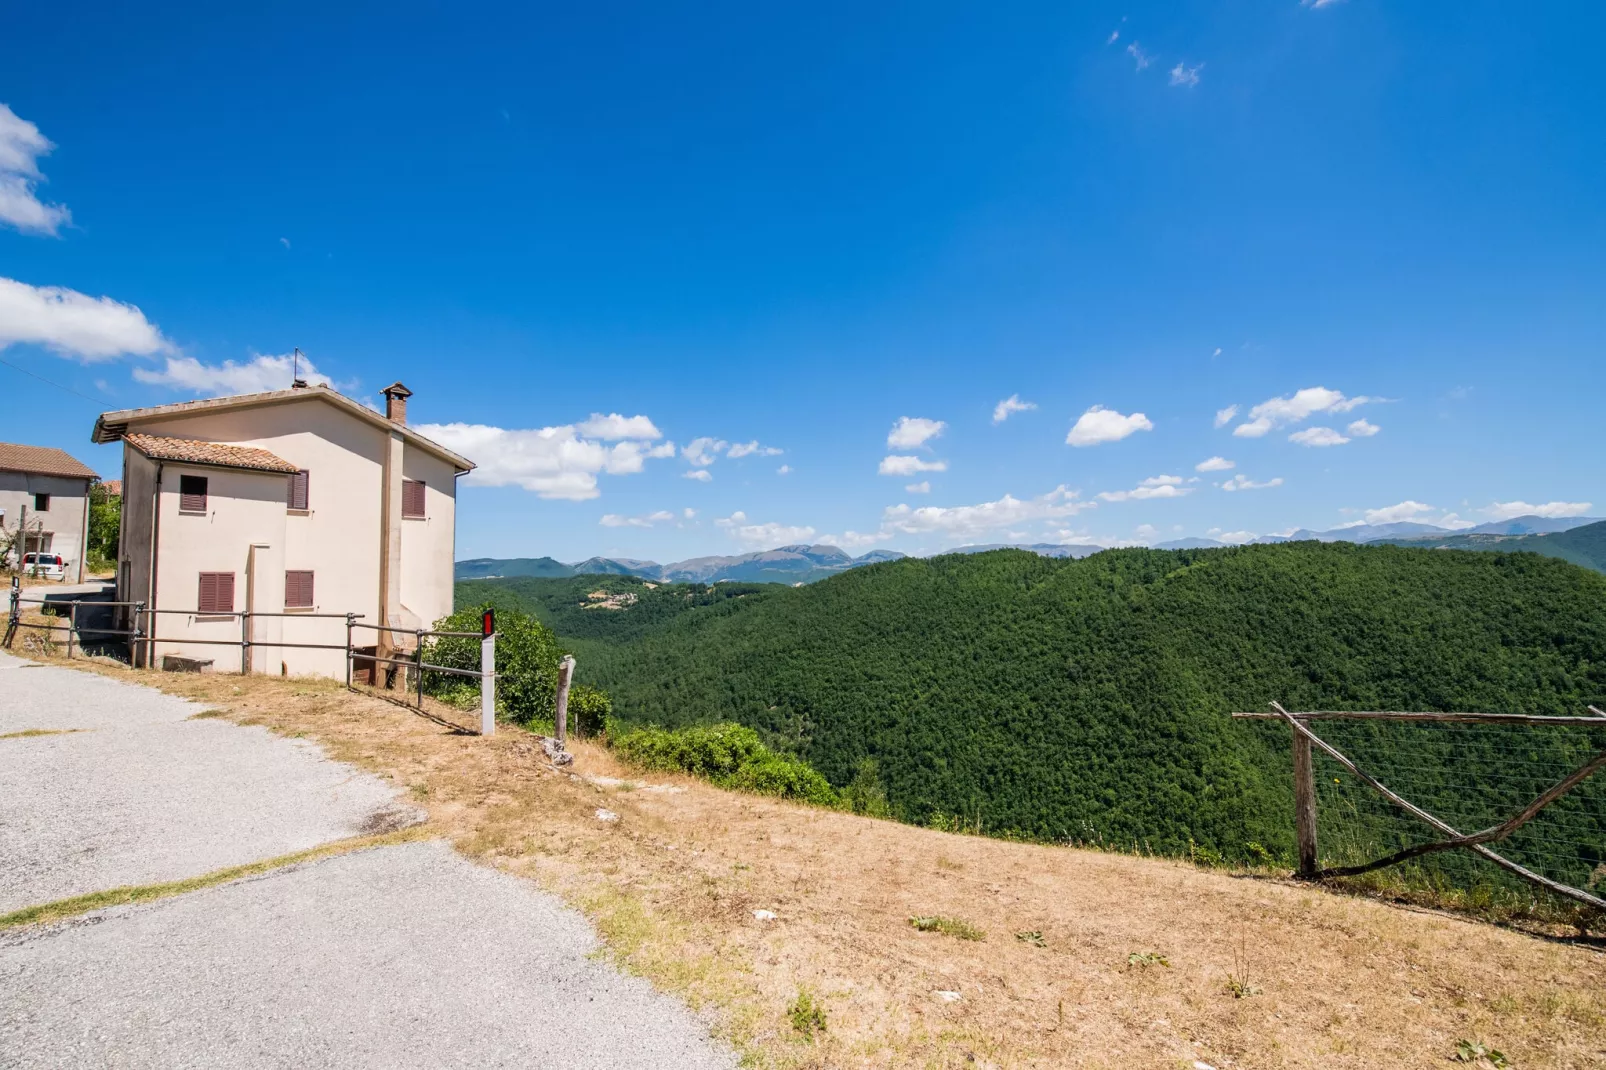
1584	546
1089	699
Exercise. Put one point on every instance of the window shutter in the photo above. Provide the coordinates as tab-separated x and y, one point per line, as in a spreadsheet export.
413	498
225	592
296	495
192	494
298	589
206	601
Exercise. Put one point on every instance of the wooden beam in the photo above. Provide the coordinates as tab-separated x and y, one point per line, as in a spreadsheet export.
1305	806
1392	715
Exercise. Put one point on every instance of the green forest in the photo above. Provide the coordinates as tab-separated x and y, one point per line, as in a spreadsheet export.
1088	700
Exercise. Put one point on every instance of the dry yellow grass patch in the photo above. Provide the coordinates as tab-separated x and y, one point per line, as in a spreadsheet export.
672	885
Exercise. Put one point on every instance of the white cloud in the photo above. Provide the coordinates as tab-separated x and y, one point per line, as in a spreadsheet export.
1362	429
1507	510
75	324
1318	3
1225	416
554	462
912	431
1011	404
1215	464
1233	537
21	145
1146	532
702	452
701	475
260	373
743	449
1296	408
1115	35
285	242
1395	514
1318	436
688	513
923	487
968	521
1153	487
1451	520
1139	57
1187	77
613	426
1243	482
763	535
614	520
906	465
1098	425
784	470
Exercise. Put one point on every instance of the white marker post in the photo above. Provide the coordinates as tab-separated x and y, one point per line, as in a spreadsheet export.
488	675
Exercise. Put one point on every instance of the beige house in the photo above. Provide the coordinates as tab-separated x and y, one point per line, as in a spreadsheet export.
294	503
45	491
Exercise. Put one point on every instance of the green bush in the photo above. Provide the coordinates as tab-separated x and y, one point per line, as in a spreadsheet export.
589	710
527	655
730	755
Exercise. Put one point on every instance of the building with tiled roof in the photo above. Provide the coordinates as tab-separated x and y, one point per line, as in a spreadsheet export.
273	515
44	496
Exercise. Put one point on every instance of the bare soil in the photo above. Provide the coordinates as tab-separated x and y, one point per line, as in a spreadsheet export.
1255	973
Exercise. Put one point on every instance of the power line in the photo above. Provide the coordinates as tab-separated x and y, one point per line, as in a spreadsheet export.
47	382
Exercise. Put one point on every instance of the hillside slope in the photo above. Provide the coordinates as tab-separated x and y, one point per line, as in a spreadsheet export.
1088	700
1584	546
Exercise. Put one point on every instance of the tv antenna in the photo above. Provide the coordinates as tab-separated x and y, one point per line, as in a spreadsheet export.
295	373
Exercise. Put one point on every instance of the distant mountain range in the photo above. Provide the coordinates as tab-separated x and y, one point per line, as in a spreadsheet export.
805	564
785	564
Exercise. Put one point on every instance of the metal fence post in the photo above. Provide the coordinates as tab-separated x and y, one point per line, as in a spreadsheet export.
135	639
245	644
488	685
350	623
72	626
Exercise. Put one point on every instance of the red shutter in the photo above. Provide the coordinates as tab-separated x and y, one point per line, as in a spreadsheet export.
296	490
192	494
216	594
298	589
413	498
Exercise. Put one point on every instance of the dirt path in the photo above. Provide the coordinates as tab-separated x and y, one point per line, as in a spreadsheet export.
396	955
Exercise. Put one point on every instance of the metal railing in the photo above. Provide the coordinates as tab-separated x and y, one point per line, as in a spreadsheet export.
137	635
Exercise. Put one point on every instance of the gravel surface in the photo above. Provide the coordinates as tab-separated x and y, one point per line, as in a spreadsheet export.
394	956
142	794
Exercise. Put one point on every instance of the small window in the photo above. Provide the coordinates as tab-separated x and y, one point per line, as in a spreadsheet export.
217	593
298	589
192	494
296	490
413	499
41	503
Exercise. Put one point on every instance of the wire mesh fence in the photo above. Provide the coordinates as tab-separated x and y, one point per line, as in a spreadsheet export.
1471	776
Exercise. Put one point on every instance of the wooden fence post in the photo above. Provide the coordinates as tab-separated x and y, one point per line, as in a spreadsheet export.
1305	806
561	719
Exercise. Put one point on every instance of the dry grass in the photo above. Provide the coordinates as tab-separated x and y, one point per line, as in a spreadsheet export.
1260	974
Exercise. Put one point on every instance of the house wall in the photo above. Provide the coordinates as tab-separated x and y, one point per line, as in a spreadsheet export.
340	536
66	519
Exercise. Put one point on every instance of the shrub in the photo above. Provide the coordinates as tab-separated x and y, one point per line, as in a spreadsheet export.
527	655
589	710
730	755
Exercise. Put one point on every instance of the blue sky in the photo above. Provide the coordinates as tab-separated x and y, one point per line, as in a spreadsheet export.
623	255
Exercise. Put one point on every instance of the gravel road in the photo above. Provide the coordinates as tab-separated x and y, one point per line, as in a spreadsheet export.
406	955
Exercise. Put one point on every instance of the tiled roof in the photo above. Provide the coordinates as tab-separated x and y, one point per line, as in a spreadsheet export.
190	451
114	487
42	461
111	426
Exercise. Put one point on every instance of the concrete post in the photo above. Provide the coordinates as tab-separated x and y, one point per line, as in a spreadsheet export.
488	685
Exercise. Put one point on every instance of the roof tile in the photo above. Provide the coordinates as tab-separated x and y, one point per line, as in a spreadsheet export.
193	451
42	460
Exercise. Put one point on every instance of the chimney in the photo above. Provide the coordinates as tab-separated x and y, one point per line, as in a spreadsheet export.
396	397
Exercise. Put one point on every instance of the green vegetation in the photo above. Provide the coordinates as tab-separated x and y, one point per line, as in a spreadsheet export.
729	755
1584	546
517	566
958	928
527	656
105	520
807	1014
1145	959
1087	701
